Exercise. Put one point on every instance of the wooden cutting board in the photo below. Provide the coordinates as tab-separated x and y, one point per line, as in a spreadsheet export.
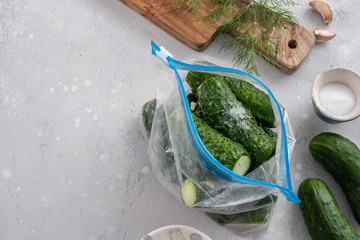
294	43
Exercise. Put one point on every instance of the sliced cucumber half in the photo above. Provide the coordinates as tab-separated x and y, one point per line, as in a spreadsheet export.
189	193
242	165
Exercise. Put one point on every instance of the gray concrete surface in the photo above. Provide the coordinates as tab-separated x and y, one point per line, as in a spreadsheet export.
73	162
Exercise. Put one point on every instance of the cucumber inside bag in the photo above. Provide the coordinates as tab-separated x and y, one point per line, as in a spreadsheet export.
235	171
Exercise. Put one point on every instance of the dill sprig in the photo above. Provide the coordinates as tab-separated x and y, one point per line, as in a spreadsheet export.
250	23
191	4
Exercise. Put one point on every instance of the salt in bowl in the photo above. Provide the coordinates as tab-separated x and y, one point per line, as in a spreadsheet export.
340	80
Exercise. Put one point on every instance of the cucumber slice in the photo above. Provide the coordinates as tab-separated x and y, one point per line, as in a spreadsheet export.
242	165
190	193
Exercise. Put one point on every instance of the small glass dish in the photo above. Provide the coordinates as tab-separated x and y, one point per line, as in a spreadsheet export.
350	79
176	232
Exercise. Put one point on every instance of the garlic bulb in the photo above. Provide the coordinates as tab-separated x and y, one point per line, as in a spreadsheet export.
324	9
323	35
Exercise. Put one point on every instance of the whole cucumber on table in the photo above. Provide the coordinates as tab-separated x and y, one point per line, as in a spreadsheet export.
341	158
321	213
257	101
225	113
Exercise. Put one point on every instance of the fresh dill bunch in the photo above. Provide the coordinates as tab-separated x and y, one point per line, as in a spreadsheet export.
250	23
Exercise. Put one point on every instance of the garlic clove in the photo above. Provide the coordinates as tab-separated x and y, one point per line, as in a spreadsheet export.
324	9
323	35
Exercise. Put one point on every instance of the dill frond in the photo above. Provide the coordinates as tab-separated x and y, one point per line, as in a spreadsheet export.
191	4
250	23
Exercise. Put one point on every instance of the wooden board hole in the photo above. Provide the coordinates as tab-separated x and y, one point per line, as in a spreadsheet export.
292	43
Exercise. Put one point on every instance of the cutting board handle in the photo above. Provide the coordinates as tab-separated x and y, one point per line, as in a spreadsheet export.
293	43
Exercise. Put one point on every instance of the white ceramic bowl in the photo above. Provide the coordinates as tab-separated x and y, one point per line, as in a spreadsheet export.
176	232
337	75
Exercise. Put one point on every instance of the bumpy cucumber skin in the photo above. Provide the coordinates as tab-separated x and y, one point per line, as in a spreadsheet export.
321	213
226	151
254	217
225	113
271	133
148	112
195	79
223	219
341	158
166	158
258	216
257	101
262	215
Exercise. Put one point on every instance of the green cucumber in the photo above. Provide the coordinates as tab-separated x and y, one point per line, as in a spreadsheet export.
229	153
225	113
341	158
255	217
271	133
166	158
257	101
223	219
195	79
254	99
321	213
192	194
148	112
261	215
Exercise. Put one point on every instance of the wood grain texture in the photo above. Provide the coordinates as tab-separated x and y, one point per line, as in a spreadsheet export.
294	43
182	24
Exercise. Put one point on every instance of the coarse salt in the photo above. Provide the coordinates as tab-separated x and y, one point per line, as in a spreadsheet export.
337	99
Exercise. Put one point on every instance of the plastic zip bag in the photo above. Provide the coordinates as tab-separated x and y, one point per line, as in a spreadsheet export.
188	170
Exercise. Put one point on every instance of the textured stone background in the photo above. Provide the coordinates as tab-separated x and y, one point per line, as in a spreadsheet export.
73	162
